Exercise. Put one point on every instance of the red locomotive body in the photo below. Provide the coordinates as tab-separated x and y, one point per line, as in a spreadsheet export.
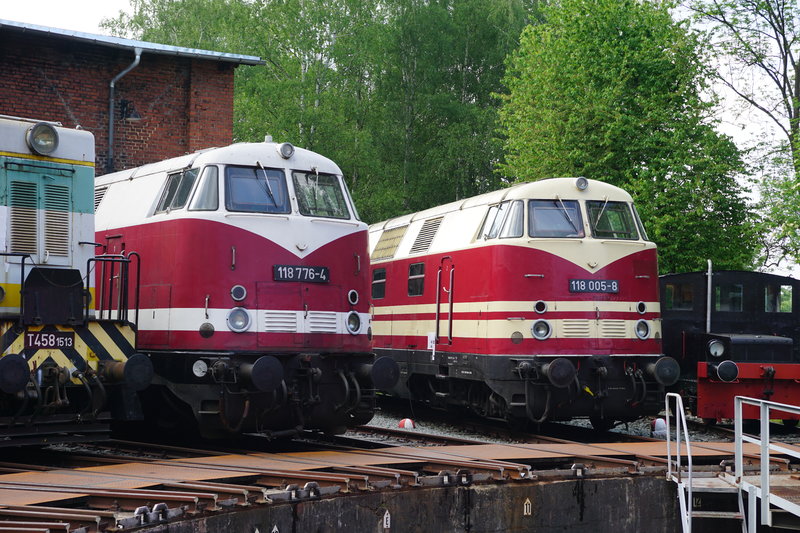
253	304
536	302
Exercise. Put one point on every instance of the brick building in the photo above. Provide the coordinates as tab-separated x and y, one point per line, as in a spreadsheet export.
164	100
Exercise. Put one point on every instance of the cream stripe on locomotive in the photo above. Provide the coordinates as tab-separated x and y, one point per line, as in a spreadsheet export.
584	306
261	320
504	328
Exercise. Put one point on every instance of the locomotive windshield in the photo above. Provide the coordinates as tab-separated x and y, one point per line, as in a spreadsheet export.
256	190
611	220
319	195
555	218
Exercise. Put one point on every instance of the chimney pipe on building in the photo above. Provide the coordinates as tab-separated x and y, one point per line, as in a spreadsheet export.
112	85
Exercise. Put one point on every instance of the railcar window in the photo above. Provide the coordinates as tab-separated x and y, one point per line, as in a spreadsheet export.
729	297
778	298
494	220
611	220
514	224
319	195
177	191
416	279
639	223
256	190
555	218
678	297
207	196
378	283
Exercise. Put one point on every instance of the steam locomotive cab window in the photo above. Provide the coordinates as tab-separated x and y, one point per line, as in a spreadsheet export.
555	218
678	297
319	195
207	196
378	283
778	298
729	297
256	190
611	220
176	193
416	279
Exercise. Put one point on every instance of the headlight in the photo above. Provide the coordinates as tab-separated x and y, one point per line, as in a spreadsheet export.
238	319
238	293
540	307
286	150
353	323
541	330
641	308
716	347
642	329
352	297
42	138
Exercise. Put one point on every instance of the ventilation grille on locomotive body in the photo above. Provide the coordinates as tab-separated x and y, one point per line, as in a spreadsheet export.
25	221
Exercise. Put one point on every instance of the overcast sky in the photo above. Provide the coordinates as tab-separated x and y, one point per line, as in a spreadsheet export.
78	15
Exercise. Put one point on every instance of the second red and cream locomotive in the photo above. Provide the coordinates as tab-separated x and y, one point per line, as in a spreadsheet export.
532	303
254	306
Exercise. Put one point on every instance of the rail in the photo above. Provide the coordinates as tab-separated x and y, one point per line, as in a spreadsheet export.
684	489
762	490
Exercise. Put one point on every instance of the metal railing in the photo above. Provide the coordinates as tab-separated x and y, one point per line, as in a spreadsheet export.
762	490
685	499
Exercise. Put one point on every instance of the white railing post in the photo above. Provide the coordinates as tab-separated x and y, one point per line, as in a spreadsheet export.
680	423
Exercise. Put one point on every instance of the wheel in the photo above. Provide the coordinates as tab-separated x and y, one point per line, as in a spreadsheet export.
601	424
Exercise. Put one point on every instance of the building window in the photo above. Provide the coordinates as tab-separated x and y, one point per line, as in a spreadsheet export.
378	283
416	279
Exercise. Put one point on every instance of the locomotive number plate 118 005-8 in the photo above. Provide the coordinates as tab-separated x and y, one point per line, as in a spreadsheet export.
313	274
594	285
44	340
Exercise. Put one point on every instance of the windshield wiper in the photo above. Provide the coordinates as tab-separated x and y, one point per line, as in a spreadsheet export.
602	210
565	211
266	180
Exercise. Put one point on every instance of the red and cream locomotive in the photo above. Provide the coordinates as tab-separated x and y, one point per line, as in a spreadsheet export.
532	303
254	276
734	333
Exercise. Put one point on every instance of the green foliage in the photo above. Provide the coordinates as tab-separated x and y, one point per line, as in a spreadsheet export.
397	92
616	96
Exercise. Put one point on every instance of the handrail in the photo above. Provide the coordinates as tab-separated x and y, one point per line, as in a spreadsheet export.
680	421
764	442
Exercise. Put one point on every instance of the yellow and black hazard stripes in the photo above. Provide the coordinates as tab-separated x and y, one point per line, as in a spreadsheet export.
80	347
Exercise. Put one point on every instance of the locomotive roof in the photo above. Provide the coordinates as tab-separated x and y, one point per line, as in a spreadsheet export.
563	188
743	275
73	144
247	154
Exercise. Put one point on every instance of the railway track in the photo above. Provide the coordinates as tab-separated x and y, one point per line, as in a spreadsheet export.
124	485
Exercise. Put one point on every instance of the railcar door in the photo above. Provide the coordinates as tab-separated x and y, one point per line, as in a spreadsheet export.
445	284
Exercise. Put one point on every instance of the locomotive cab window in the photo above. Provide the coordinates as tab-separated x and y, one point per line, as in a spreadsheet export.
378	283
319	195
729	297
514	223
207	196
611	220
778	298
177	190
678	297
494	220
416	279
555	218
256	190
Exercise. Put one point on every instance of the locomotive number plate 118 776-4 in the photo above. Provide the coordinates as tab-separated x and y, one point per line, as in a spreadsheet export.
49	340
593	285
313	274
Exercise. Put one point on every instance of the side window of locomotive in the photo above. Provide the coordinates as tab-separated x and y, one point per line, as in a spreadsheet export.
639	223
611	220
378	283
177	191
778	298
207	196
555	218
256	190
319	195
494	220
729	297
678	297
416	279
514	224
